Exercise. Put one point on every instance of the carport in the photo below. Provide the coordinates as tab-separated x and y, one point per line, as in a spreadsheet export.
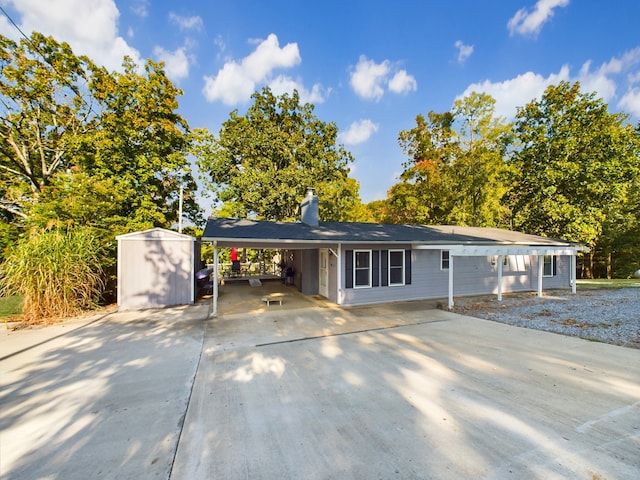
259	244
500	252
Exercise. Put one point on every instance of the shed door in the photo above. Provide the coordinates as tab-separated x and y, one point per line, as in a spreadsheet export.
323	270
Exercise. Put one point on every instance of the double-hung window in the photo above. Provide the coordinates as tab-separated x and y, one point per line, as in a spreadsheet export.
549	266
361	268
444	259
396	267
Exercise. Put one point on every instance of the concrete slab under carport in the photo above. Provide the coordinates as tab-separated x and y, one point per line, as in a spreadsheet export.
406	391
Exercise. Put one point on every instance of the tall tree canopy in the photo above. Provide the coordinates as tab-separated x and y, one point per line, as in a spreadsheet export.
455	172
263	162
575	165
68	127
141	141
46	109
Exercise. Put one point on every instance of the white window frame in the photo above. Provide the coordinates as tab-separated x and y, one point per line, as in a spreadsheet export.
443	260
356	269
549	262
402	267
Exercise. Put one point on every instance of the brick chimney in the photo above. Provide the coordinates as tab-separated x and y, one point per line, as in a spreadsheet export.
309	209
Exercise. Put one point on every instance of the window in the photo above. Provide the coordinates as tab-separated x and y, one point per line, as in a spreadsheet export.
362	268
396	267
444	259
549	266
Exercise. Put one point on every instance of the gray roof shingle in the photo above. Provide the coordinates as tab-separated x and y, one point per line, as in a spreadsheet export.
267	234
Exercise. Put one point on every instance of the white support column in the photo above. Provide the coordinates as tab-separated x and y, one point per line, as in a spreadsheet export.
450	304
573	273
540	273
339	274
214	312
500	258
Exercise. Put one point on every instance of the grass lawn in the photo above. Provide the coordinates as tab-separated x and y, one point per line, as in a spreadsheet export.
609	283
10	306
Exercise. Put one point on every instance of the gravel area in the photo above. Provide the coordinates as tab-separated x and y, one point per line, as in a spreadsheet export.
609	316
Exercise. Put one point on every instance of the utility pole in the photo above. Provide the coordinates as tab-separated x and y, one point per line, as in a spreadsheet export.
180	210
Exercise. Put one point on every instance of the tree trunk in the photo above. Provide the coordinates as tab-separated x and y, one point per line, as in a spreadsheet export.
589	265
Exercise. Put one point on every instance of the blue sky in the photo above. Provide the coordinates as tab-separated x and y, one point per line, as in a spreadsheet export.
369	66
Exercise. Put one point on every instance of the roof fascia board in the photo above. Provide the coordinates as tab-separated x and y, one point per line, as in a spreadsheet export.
482	250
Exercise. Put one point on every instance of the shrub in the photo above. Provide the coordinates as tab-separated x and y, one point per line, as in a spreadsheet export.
57	272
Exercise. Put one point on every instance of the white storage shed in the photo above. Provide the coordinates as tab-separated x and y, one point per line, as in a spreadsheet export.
156	268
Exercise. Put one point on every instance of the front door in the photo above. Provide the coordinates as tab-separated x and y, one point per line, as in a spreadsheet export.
323	269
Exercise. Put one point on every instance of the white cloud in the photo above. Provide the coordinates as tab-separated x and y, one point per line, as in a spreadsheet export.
630	102
619	73
7	29
359	132
518	91
140	8
633	77
220	43
525	22
89	26
186	23
464	51
176	62
598	81
283	84
236	81
402	82
369	79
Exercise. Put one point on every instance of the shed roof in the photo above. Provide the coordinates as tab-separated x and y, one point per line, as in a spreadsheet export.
228	232
155	234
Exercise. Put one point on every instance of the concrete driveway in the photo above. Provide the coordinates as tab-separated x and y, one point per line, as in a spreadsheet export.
102	398
394	392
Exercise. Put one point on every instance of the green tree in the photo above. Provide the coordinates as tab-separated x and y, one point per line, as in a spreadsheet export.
455	172
618	247
142	143
575	168
46	108
423	194
263	162
479	172
61	113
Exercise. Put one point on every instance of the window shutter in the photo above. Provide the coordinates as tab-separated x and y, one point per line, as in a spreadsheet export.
348	269
407	267
375	268
385	268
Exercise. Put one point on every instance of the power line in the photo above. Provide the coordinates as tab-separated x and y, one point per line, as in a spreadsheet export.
15	25
35	48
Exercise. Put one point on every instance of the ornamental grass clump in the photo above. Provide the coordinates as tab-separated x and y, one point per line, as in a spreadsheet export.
58	273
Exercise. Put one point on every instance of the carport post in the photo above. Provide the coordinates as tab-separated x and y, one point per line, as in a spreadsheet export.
500	277
450	304
540	273
214	311
572	274
339	274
